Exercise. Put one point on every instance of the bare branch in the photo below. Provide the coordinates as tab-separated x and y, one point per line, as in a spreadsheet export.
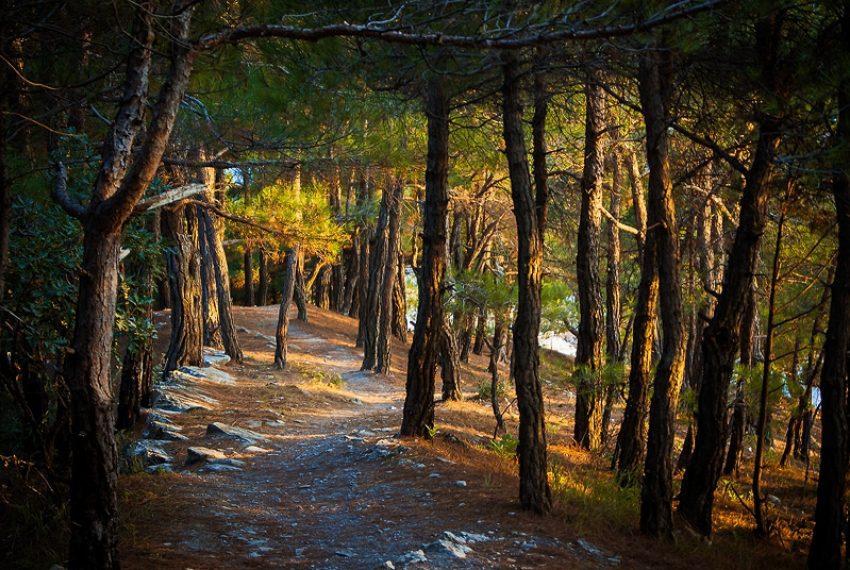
168	197
60	194
619	224
733	162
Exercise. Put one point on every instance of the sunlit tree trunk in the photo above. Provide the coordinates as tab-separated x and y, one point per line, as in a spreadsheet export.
282	331
530	212
656	512
418	414
589	362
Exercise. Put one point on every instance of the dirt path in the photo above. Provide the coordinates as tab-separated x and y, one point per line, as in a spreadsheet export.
312	477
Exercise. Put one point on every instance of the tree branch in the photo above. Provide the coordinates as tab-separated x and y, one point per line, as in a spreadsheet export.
60	194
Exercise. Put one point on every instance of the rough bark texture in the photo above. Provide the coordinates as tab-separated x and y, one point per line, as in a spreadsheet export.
282	331
720	340
450	366
183	264
367	234
300	295
825	550
589	362
209	290
218	259
530	212
388	281
656	512
377	274
248	264
422	360
399	302
612	294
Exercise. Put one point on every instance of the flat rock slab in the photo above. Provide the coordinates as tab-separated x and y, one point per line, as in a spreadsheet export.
213	357
175	400
211	456
246	435
191	374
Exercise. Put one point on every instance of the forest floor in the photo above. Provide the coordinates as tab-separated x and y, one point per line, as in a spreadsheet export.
319	480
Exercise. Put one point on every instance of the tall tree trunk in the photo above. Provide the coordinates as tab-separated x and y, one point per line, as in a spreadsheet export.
825	550
218	259
352	274
209	290
656	512
720	339
612	295
589	362
367	234
382	259
300	295
418	414
530	212
630	441
480	331
184	267
388	280
282	331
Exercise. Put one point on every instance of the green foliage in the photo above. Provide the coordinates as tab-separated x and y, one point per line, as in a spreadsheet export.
505	446
135	291
485	389
321	376
431	432
559	306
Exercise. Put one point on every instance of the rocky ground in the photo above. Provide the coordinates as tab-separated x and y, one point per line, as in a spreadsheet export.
246	466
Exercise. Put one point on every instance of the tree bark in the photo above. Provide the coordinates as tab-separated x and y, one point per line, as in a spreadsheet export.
589	362
248	264
825	550
263	293
399	302
656	513
720	339
282	331
184	268
418	414
300	295
209	290
449	366
388	280
530	212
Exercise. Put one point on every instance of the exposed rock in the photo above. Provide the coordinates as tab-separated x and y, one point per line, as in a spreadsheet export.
150	453
191	374
414	557
220	429
219	467
213	357
255	449
211	456
161	431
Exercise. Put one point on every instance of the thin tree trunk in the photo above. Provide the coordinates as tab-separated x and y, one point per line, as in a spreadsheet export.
589	362
493	368
612	296
282	331
449	366
263	293
530	212
136	368
388	280
248	264
418	415
209	290
761	425
366	239
399	303
300	295
378	265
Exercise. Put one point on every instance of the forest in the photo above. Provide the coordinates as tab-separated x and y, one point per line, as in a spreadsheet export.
666	184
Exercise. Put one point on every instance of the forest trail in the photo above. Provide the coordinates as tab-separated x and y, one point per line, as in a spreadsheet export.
312	476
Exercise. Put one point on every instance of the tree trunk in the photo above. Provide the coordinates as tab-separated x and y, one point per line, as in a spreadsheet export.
209	289
184	267
381	272
720	339
418	414
589	362
825	550
248	264
399	303
388	280
761	425
300	295
530	212
263	293
218	259
352	274
628	453
449	366
367	234
612	297
738	425
136	368
656	512
282	331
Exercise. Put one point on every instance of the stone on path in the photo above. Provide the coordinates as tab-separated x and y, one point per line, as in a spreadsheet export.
211	456
246	435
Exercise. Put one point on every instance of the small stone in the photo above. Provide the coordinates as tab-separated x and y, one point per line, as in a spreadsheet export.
414	557
460	483
435	475
345	553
